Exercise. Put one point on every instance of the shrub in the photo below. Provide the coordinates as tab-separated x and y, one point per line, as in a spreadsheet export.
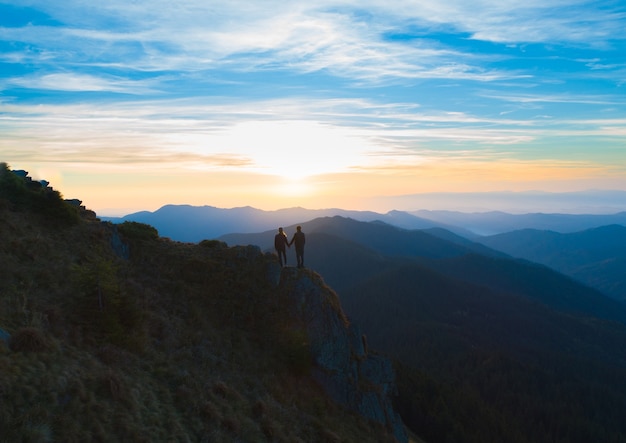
213	244
12	187
54	209
138	231
29	340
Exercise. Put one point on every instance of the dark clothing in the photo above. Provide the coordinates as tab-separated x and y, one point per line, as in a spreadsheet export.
299	239
280	243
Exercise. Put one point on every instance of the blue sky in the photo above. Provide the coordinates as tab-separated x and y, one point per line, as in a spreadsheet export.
132	105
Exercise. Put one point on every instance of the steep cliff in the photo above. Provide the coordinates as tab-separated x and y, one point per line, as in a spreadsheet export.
352	376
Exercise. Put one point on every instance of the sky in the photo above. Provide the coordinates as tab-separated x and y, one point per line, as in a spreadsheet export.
368	104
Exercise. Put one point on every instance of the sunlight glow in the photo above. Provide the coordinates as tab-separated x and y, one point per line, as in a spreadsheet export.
294	149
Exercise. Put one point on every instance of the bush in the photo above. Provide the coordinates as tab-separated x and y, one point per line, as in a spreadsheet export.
138	231
29	340
213	244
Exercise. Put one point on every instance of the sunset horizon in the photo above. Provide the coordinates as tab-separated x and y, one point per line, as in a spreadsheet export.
362	106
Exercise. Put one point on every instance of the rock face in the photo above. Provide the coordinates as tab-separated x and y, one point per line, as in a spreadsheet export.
352	376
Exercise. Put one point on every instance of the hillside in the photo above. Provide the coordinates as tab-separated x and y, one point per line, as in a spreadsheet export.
113	333
596	257
488	348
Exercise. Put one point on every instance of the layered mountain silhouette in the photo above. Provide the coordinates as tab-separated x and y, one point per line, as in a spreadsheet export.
596	257
494	338
497	222
335	242
195	223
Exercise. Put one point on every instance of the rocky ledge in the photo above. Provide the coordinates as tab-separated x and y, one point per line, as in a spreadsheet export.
350	374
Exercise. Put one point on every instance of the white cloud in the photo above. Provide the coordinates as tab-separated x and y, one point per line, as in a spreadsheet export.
73	82
344	38
318	135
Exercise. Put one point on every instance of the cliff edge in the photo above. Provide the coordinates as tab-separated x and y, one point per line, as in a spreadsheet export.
350	374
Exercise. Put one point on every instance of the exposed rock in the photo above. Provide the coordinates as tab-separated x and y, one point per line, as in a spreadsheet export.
361	381
273	272
20	173
119	246
74	202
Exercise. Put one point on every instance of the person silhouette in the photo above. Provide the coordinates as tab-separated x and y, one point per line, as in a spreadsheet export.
299	239
280	242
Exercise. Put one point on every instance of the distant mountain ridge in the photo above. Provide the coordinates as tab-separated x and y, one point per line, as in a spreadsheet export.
377	235
496	222
596	257
575	202
195	223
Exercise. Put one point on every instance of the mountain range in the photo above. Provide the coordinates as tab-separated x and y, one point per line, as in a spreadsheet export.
449	254
596	257
496	222
196	223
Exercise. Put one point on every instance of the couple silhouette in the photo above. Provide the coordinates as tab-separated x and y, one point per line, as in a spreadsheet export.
281	243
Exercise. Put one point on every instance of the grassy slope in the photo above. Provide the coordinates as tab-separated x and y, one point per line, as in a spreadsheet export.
182	342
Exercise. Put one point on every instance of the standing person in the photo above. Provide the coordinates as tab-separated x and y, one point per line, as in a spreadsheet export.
299	239
280	241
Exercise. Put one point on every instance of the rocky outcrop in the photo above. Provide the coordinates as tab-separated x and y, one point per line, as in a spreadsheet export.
119	246
352	376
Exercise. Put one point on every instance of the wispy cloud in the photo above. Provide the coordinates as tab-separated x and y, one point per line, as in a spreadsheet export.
320	36
82	82
185	131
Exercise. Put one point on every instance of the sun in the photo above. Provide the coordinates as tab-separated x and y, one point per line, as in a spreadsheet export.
296	149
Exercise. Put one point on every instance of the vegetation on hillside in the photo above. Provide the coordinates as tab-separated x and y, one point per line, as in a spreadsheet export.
476	365
116	334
